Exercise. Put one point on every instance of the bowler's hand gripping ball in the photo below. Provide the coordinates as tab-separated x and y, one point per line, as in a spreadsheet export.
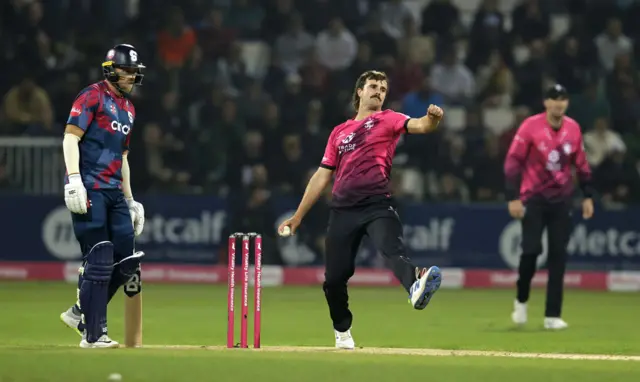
286	231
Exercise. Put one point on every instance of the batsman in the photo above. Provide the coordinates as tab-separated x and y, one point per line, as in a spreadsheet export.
98	194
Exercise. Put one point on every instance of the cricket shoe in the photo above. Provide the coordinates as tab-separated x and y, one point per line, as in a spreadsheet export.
72	320
344	340
519	315
427	284
104	342
555	323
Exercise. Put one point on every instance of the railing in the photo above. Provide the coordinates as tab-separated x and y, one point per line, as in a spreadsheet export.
32	165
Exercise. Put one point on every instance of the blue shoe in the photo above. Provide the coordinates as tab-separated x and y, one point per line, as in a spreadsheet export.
427	284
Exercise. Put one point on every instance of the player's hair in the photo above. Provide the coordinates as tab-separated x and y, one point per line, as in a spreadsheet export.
368	75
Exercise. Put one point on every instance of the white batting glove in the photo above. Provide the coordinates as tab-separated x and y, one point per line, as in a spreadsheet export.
137	216
75	195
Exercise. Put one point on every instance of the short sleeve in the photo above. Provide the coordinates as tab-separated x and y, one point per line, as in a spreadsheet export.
398	122
330	157
127	140
84	108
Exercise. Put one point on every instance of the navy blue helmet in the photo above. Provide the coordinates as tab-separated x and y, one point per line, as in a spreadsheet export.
122	56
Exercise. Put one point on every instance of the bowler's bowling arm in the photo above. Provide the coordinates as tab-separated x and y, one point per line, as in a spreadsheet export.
71	151
317	184
422	125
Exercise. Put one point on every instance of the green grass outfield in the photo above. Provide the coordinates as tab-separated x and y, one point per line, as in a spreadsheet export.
179	321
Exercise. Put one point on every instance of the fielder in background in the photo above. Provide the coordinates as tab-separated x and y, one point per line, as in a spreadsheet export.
360	152
538	170
98	193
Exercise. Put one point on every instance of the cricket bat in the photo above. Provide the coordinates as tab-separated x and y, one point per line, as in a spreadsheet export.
133	321
133	309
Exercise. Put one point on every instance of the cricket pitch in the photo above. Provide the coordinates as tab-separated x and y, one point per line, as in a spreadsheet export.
411	352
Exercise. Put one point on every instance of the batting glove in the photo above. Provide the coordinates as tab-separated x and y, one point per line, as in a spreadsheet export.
137	216
75	195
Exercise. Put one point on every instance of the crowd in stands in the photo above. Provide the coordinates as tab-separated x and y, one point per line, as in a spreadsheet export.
242	94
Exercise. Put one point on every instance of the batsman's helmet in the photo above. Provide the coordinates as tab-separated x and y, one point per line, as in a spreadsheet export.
123	56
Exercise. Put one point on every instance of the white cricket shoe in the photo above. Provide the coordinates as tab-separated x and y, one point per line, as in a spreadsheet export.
426	285
555	323
344	340
104	342
519	315
72	320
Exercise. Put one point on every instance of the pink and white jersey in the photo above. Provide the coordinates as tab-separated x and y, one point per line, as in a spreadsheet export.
361	153
540	160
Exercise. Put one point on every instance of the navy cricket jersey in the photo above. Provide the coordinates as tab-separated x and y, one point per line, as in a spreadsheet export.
106	119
